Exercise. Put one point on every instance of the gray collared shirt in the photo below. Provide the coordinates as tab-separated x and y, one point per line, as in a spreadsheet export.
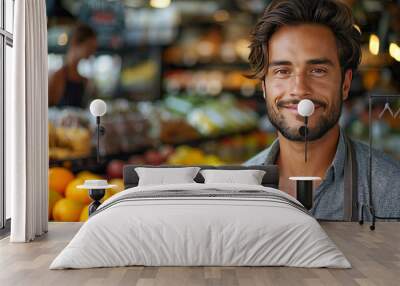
328	197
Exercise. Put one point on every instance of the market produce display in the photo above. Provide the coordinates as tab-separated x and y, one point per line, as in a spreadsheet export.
69	134
205	82
177	119
59	178
212	116
66	201
185	155
71	131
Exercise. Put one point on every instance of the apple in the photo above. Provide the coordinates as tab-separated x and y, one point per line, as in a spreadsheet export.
115	168
153	157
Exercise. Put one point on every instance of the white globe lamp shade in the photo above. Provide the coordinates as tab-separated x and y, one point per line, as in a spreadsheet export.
98	107
305	108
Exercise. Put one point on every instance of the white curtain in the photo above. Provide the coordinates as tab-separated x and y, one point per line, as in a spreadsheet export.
26	123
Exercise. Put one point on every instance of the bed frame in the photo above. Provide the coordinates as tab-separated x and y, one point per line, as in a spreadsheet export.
270	179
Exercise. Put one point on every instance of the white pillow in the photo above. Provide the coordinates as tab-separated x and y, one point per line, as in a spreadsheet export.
248	177
162	176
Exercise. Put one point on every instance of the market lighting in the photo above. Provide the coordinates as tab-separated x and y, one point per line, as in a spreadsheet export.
62	39
160	3
98	107
374	44
242	48
394	51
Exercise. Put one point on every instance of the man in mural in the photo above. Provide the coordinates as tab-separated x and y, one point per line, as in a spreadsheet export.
310	49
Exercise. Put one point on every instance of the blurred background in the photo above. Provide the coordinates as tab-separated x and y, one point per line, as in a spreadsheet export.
172	73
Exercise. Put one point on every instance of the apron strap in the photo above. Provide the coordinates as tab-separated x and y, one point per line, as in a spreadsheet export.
350	192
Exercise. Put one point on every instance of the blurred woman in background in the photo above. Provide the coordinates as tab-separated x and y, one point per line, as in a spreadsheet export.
66	86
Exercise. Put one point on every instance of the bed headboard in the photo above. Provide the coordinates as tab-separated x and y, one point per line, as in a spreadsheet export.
270	179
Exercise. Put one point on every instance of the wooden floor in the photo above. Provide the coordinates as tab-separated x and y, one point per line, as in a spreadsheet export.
375	257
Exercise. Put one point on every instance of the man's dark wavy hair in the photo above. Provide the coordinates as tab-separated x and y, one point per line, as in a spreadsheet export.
330	13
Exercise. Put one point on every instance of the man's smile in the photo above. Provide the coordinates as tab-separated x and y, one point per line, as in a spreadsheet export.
292	107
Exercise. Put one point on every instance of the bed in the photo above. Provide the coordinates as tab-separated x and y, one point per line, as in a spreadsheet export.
201	224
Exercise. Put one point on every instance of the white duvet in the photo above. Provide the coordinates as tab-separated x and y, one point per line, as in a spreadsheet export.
202	231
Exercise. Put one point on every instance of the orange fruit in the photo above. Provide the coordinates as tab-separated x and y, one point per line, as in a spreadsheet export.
84	214
54	197
59	178
119	186
86	175
67	210
75	194
107	195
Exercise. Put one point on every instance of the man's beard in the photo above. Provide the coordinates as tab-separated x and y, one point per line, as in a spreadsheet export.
325	123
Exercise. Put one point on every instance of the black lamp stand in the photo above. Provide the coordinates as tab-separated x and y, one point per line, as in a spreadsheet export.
304	193
304	187
96	195
370	205
100	131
